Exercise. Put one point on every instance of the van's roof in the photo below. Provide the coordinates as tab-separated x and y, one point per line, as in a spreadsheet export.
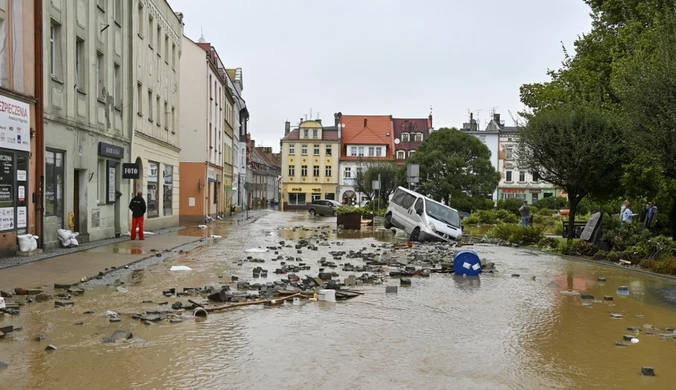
425	196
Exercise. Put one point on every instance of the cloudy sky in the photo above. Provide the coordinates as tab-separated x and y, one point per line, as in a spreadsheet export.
397	57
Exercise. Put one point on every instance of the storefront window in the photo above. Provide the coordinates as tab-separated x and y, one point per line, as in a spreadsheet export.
54	179
152	195
168	190
297	199
21	192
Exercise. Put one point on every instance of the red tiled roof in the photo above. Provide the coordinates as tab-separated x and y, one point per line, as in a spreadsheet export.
367	130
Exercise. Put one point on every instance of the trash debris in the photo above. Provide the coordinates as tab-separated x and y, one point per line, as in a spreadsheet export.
67	238
200	312
256	250
647	371
201	226
616	315
122	289
111	314
51	347
634	340
216	236
327	295
180	268
2	303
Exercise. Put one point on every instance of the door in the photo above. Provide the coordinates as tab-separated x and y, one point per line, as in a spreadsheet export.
414	217
76	201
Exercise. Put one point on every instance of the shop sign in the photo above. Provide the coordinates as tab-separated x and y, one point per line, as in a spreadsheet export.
111	167
296	190
130	171
14	125
316	190
109	150
513	191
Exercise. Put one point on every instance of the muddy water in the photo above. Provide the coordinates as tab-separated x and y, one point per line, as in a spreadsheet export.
499	332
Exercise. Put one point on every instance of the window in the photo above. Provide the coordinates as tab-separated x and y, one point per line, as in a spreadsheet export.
353	151
535	197
292	171
328	171
361	151
54	181
157	107
139	99
405	137
54	50
292	150
303	170
401	154
117	11
101	181
379	152
306	133
116	84
418	137
166	49
173	56
216	185
522	176
509	153
316	197
316	150
508	176
168	190
372	151
328	150
411	152
296	199
150	105
315	133
315	171
99	75
152	189
303	150
348	173
166	115
359	172
159	41
536	176
173	121
150	31
139	19
79	64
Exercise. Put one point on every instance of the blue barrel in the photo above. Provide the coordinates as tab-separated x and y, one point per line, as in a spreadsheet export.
467	262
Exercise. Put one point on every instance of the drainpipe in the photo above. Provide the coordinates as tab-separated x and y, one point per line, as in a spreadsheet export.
39	125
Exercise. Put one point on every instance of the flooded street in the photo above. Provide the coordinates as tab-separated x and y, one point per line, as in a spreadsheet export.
497	332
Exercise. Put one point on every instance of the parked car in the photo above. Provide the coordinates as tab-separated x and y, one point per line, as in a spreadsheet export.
422	218
323	207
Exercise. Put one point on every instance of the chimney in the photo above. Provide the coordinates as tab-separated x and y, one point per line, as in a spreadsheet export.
319	120
471	117
430	122
287	128
336	121
366	121
253	144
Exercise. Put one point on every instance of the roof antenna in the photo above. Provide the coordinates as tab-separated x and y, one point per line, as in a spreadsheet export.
201	40
430	110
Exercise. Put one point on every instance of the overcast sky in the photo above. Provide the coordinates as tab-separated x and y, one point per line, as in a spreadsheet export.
382	57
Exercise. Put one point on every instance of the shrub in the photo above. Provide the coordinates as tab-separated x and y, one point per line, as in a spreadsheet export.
511	204
506	217
347	210
548	243
552	202
545	212
523	235
626	236
581	248
490	217
663	265
600	255
558	229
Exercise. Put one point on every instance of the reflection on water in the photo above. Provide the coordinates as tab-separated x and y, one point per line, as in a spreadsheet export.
492	332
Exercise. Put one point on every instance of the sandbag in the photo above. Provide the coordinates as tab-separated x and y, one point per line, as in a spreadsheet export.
34	242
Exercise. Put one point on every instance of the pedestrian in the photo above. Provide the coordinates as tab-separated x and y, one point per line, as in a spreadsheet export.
525	213
624	207
627	214
651	218
138	209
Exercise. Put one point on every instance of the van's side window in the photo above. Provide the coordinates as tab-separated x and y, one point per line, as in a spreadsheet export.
398	197
419	206
408	201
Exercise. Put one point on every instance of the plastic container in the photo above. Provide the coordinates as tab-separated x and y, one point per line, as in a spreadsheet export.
467	262
327	295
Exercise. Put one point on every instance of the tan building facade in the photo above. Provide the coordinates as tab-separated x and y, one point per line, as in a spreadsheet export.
19	178
310	156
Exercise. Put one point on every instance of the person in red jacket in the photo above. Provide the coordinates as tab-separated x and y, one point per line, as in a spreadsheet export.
138	209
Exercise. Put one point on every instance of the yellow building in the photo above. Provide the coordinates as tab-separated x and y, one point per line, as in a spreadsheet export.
310	156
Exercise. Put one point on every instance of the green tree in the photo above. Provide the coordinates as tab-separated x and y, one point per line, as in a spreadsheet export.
576	148
452	161
388	180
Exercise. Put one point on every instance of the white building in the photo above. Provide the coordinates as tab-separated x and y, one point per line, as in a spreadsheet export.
240	157
88	116
155	58
489	137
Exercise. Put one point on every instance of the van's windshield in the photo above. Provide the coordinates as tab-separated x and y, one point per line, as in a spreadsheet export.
442	213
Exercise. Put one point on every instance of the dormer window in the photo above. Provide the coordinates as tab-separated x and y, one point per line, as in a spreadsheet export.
418	137
401	155
306	133
315	133
405	137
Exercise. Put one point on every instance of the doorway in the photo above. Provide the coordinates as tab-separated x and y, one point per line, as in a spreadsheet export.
76	201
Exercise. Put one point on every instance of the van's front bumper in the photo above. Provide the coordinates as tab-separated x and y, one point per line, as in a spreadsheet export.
433	237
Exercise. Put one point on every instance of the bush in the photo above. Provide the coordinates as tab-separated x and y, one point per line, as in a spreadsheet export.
625	236
600	255
490	217
511	204
581	248
506	217
545	212
663	265
548	243
341	210
523	235
552	202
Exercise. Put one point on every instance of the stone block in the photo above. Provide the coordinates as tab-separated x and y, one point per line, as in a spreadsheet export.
616	315
647	371
586	296
121	335
607	298
390	289
64	303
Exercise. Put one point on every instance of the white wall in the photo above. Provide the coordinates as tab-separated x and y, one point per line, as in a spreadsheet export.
194	107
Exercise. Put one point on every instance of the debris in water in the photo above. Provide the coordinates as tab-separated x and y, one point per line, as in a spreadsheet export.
256	250
180	268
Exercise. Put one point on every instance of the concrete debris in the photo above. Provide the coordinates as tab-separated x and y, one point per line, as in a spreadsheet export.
647	371
51	347
64	303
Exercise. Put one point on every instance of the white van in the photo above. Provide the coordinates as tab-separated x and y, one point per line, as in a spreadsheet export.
422	218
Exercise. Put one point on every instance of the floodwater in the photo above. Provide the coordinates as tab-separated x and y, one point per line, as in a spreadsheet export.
496	332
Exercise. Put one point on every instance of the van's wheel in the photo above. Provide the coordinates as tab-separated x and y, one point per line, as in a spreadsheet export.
415	235
388	221
312	212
